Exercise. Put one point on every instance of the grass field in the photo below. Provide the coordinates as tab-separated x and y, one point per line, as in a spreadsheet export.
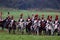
4	35
16	13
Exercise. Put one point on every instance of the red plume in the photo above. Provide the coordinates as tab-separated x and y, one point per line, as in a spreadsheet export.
56	18
36	15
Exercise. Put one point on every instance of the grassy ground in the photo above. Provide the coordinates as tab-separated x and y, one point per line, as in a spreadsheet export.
4	35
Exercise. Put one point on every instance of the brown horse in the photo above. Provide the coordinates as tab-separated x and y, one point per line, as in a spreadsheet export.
42	28
28	27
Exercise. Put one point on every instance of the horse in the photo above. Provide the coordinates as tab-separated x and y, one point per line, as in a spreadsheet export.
59	29
28	27
56	25
12	26
35	27
4	23
1	24
20	27
50	28
42	28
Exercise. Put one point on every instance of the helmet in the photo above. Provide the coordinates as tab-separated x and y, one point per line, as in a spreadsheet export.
56	18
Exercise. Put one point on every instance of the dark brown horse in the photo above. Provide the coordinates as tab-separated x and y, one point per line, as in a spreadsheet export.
42	28
13	27
4	23
28	29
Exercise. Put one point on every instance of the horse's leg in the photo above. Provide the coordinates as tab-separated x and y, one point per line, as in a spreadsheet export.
40	31
44	31
13	31
18	29
55	31
37	31
52	32
32	31
2	27
22	30
49	31
58	32
26	29
9	29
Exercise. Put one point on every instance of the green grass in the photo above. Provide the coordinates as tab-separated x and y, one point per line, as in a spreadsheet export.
16	13
5	36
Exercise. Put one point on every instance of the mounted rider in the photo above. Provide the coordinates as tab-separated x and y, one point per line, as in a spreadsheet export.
28	25
21	23
43	24
12	25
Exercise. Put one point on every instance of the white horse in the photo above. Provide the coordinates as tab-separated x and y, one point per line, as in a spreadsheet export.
21	27
34	27
56	26
49	28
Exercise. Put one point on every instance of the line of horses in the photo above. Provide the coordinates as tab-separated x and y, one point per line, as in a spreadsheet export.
32	26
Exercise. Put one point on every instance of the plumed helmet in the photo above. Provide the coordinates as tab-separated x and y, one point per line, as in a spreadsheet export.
56	18
21	14
36	15
42	16
12	17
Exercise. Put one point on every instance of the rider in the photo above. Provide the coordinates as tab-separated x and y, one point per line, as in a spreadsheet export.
51	28
12	25
28	21
43	24
7	20
21	20
21	23
56	24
